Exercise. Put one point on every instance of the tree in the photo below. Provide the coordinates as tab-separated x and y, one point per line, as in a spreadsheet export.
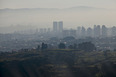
44	46
38	47
86	46
69	38
74	46
114	49
70	47
61	46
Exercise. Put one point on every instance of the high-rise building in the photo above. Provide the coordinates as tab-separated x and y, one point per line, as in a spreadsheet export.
45	30
60	25
48	30
97	31
113	31
104	31
94	31
41	31
58	28
83	32
66	33
55	26
72	32
78	32
89	32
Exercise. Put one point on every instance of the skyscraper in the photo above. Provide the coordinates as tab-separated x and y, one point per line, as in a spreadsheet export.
45	30
83	32
58	28
55	26
94	31
78	32
104	31
97	31
66	33
89	32
41	31
113	31
60	25
72	32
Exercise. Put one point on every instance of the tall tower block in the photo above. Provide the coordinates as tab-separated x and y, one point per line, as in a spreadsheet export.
60	26
55	26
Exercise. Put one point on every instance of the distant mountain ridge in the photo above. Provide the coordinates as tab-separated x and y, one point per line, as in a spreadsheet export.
71	8
85	7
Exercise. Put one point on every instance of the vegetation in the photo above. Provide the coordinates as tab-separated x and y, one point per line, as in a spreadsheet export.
61	46
74	46
58	63
87	46
44	46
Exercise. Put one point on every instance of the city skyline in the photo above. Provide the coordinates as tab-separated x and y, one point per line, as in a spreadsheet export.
58	30
55	26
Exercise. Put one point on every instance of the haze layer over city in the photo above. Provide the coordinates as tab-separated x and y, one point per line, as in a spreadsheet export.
41	14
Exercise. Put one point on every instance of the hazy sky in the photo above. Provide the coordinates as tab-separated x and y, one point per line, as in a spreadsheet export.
56	3
72	18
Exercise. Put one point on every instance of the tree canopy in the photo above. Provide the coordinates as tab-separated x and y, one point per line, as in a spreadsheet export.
61	46
86	46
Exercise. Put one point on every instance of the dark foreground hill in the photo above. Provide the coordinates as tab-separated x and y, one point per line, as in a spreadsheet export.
58	63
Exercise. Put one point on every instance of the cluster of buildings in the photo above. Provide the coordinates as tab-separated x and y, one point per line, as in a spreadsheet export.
80	32
55	32
97	31
56	35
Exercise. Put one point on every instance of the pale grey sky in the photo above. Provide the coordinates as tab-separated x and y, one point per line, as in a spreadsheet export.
56	3
71	18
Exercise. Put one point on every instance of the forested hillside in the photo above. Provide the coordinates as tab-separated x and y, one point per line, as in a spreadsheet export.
58	63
